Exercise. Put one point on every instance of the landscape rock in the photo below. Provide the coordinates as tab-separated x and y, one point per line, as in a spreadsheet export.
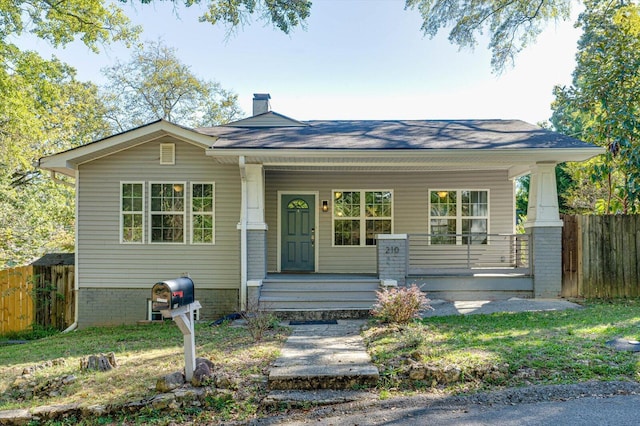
203	373
170	382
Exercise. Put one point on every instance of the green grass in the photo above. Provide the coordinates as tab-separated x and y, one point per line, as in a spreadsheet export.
528	348
144	354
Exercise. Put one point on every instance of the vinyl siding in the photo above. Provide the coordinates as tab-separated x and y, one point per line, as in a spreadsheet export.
410	207
105	263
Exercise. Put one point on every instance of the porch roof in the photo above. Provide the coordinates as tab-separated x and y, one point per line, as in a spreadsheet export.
393	135
511	145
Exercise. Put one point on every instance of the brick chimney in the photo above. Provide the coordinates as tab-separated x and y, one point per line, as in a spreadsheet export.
261	103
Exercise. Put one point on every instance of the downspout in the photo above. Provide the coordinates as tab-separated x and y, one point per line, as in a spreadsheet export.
243	233
75	264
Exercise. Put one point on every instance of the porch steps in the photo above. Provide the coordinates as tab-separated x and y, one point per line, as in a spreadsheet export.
319	298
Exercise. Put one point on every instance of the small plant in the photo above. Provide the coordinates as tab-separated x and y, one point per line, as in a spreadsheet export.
400	305
259	320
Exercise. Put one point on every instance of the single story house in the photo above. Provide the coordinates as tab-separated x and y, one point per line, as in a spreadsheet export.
313	215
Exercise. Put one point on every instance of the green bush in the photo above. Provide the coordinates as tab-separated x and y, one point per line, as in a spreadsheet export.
400	304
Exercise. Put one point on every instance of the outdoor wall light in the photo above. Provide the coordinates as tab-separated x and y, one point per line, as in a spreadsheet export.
325	205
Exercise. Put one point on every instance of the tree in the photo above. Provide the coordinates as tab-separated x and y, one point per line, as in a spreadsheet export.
512	24
603	103
43	109
154	85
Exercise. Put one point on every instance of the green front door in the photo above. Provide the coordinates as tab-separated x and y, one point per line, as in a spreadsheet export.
298	233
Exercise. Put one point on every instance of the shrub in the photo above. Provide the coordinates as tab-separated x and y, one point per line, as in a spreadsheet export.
400	304
259	320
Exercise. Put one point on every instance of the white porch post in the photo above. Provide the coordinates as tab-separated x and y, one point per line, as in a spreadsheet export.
544	228
252	227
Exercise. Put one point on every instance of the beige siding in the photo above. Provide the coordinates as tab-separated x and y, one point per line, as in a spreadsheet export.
410	207
104	262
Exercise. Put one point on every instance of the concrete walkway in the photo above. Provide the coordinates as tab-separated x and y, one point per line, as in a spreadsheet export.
325	356
322	364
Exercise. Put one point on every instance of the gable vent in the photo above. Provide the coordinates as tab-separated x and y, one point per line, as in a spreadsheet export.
167	153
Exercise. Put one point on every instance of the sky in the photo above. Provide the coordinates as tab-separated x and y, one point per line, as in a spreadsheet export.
357	59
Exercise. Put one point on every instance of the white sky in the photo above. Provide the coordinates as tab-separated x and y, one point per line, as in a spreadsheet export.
358	59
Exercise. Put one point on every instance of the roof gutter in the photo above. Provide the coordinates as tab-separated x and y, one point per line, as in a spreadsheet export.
76	285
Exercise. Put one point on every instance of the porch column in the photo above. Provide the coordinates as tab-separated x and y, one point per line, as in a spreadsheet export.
544	228
392	257
254	237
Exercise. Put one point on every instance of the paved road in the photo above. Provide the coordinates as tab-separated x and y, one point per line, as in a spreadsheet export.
619	410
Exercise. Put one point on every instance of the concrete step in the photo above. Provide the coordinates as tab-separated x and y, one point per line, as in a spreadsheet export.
290	399
309	377
325	285
276	303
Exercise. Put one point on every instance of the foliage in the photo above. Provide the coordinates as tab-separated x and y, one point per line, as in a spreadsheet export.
513	24
155	85
546	347
259	320
603	103
400	305
284	14
43	109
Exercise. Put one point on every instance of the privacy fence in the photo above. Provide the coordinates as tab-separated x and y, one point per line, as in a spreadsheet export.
600	256
40	294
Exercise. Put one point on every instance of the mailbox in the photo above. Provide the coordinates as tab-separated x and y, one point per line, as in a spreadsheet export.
171	294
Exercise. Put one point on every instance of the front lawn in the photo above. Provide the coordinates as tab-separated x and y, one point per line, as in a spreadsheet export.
475	352
144	353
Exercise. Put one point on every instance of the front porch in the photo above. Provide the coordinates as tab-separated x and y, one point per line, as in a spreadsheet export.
496	269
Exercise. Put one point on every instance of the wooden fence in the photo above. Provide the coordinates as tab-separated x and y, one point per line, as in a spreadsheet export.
37	295
600	256
16	302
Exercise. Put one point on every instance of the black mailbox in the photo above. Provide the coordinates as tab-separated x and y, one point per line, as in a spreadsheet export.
172	294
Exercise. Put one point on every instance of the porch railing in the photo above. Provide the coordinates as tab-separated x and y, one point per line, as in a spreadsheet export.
465	254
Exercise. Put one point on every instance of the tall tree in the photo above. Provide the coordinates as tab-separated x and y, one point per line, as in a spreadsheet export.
43	108
512	24
603	103
154	85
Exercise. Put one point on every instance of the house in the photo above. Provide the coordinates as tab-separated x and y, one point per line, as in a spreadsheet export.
313	215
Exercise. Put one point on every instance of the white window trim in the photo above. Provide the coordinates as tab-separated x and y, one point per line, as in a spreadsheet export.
192	213
459	216
185	226
141	212
362	218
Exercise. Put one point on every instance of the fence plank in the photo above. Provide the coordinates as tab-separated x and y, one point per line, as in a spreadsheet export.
16	303
608	256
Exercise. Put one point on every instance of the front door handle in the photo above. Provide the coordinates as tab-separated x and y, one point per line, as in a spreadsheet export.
313	237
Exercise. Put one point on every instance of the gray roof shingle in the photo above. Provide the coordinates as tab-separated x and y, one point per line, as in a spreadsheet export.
394	134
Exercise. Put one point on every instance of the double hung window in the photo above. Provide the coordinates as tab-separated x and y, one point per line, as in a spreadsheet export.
158	212
458	216
358	216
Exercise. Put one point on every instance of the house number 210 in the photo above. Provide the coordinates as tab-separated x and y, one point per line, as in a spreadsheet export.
392	250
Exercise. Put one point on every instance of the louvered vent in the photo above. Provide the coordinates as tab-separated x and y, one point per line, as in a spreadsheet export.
167	153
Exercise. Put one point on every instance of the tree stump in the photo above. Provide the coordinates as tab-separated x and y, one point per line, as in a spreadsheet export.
99	362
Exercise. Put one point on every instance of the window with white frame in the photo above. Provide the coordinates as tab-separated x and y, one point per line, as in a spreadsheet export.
167	212
202	217
358	216
131	212
458	216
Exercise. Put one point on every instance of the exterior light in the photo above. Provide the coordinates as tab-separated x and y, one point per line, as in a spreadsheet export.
325	205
